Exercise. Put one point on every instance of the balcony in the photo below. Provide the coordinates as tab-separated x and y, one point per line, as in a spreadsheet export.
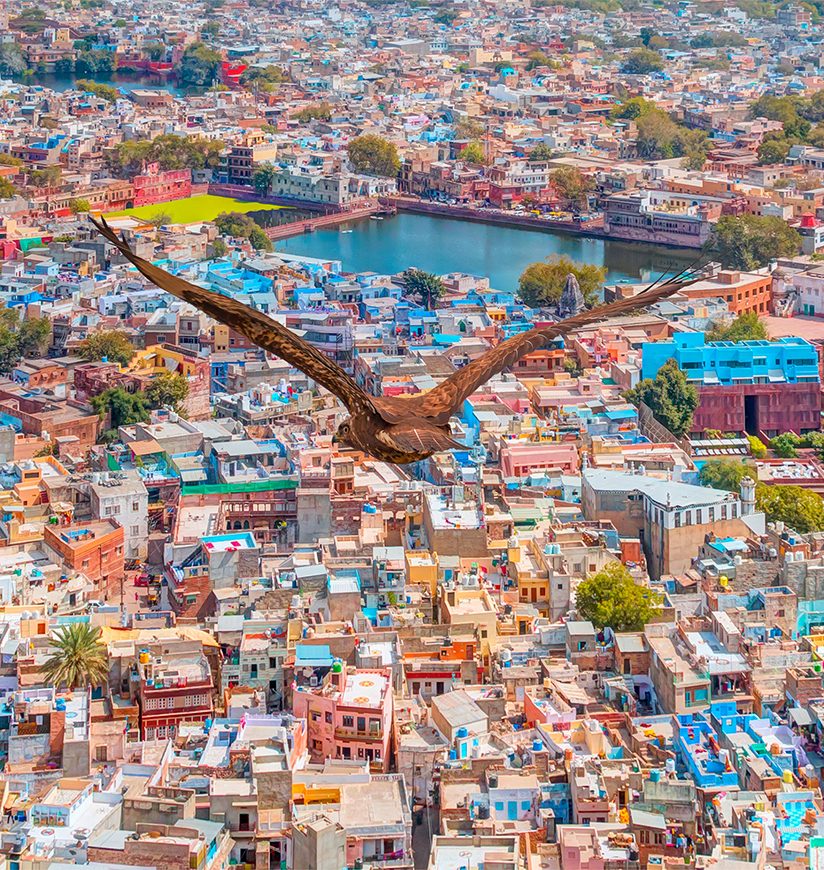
358	734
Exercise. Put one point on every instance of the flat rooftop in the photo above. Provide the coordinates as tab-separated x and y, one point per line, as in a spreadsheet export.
364	690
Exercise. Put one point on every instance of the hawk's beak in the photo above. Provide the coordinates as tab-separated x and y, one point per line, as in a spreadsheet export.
335	439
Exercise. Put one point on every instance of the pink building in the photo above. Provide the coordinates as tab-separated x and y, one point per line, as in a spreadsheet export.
349	716
156	185
597	847
519	460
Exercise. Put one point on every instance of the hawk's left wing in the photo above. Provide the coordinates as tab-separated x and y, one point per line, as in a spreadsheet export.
265	332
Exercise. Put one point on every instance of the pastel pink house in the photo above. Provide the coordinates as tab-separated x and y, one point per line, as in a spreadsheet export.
519	460
349	716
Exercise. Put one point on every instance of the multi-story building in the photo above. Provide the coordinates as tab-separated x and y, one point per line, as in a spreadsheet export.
174	686
760	387
744	292
349	715
660	217
95	549
672	519
155	185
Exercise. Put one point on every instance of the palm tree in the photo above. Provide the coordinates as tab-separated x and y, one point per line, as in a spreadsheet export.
79	659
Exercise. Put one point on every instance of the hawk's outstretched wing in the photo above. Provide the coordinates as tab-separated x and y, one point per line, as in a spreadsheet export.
256	326
440	403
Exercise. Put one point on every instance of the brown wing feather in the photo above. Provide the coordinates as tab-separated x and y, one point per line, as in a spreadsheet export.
443	401
421	439
256	326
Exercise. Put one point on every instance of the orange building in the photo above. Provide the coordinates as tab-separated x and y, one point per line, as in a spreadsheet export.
94	549
743	291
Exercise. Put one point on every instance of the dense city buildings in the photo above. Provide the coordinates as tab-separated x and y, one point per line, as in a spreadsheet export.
589	635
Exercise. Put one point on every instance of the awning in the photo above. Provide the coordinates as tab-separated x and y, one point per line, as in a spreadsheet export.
800	716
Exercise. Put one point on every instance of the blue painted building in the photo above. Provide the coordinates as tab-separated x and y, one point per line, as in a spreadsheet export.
789	359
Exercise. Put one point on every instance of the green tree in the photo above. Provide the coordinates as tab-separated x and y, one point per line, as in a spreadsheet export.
263	177
160	219
259	240
750	242
757	447
446	15
785	446
81	206
670	396
642	61
7	190
78	659
210	29
113	345
168	390
774	150
572	185
746	327
542	283
633	108
726	473
120	407
612	599
423	286
199	65
783	109
219	248
473	153
266	78
12	62
105	92
169	151
234	224
541	151
155	51
96	62
317	112
128	157
34	336
468	128
9	350
49	176
373	155
537	59
801	509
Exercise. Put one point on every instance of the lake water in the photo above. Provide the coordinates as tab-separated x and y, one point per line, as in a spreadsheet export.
124	81
443	245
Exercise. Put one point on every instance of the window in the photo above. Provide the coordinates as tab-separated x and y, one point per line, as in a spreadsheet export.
135	530
161	731
328	717
348	721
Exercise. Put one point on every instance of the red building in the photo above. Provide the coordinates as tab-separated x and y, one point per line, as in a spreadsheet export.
156	185
768	409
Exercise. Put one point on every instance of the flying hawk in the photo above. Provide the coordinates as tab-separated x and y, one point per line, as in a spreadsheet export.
395	429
